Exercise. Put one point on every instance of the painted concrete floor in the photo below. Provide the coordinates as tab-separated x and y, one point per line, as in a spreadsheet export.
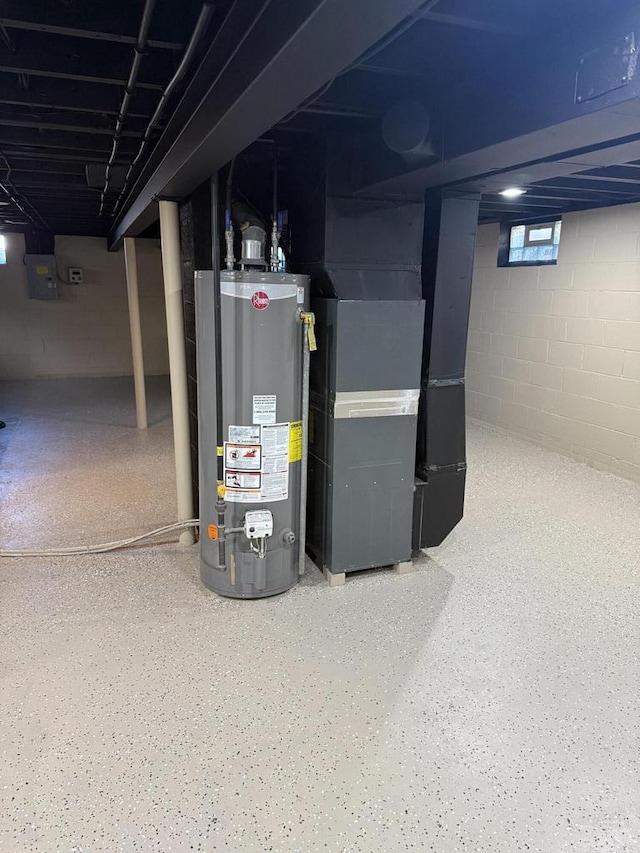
487	702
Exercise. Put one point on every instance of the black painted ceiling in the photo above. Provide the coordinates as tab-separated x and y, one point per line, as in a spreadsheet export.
63	69
64	63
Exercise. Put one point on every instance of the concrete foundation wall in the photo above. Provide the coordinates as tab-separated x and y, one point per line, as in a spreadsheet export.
86	331
554	351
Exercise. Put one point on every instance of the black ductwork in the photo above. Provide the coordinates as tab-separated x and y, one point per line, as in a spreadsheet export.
450	225
357	248
353	248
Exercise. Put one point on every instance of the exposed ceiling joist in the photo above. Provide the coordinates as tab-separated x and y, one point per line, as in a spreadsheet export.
462	21
34	26
104	99
591	187
67	128
82	78
68	108
54	156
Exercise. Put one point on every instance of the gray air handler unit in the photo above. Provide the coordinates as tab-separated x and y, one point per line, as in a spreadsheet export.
251	483
364	260
364	416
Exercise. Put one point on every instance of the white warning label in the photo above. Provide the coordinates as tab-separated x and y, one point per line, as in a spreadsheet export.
242	457
244	434
275	440
257	467
275	487
275	465
264	408
242	480
275	462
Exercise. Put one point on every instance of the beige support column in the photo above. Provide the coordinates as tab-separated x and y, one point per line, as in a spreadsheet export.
131	267
170	239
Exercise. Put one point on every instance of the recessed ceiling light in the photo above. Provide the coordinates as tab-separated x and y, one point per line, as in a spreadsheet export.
512	192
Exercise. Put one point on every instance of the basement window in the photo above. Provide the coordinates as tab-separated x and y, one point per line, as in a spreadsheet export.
529	245
3	249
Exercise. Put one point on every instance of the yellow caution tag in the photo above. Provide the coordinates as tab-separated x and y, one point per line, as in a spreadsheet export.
309	319
295	441
41	270
221	451
311	337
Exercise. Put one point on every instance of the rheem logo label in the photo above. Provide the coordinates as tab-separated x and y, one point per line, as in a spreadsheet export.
260	300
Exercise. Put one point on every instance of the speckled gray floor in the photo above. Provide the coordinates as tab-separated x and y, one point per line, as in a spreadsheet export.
488	702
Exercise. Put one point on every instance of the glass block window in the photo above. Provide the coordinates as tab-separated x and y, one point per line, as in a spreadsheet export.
533	244
3	249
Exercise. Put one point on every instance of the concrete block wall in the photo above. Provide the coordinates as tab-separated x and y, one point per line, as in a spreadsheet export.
86	331
554	351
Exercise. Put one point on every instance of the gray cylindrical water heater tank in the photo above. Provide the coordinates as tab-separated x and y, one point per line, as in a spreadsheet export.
262	356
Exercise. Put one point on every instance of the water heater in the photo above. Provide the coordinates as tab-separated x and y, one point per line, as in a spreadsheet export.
251	476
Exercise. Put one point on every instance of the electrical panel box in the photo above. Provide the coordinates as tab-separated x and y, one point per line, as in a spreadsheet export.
76	275
42	280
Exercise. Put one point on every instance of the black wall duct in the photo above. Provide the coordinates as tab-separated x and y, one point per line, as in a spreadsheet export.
450	226
353	248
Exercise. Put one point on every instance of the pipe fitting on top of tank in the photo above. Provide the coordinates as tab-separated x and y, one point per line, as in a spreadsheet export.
254	239
229	237
275	227
229	234
275	245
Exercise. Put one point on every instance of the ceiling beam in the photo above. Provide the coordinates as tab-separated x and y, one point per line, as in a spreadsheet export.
592	186
26	167
52	155
33	105
22	137
565	195
82	78
469	23
67	128
106	99
615	173
75	183
493	215
34	26
521	201
388	71
44	53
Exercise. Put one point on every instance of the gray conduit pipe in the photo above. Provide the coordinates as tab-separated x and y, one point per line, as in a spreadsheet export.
129	91
306	363
196	35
